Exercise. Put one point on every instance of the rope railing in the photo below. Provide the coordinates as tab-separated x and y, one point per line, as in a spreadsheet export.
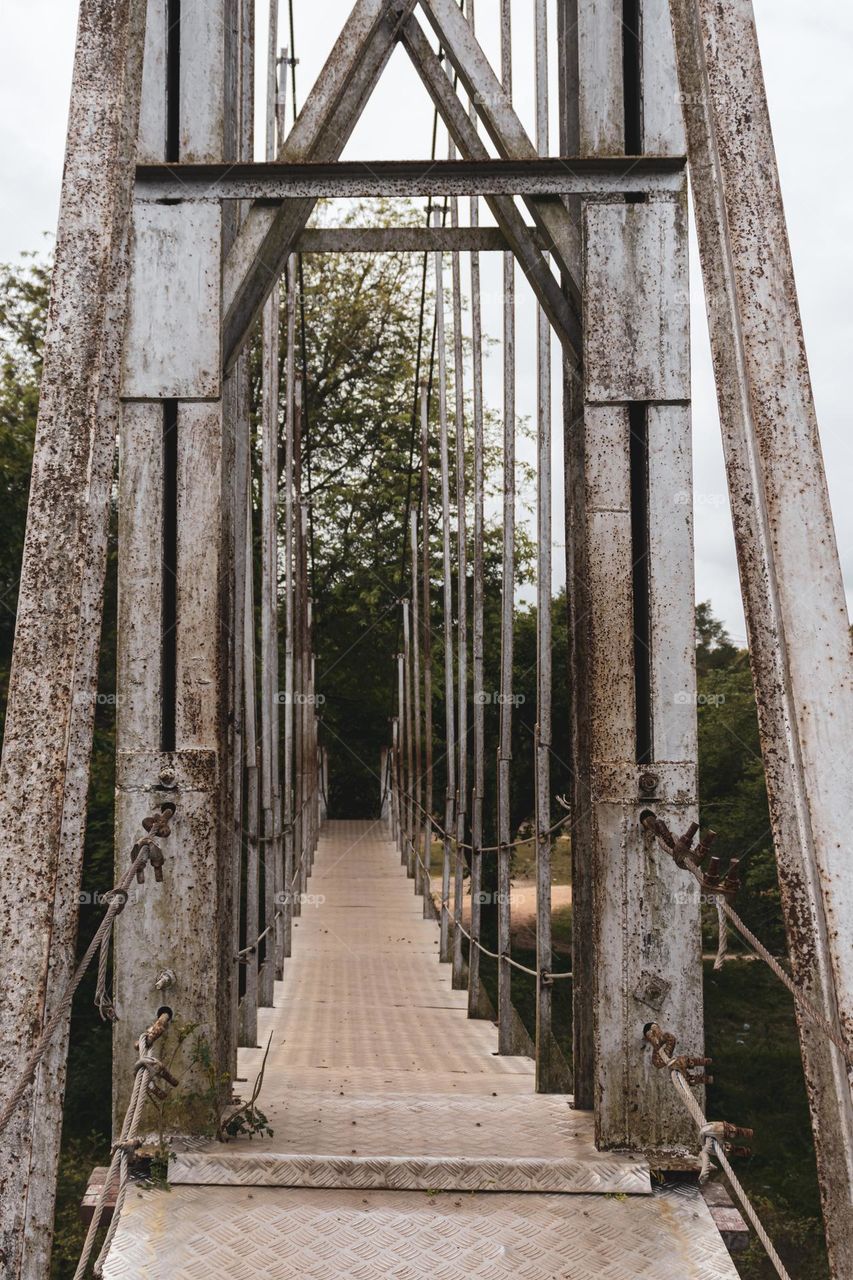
516	964
149	1069
488	848
682	852
715	1136
146	852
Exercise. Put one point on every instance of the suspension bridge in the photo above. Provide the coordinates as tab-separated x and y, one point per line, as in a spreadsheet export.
311	1075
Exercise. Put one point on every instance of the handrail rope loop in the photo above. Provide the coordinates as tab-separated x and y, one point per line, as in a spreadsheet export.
713	1136
145	852
681	851
546	976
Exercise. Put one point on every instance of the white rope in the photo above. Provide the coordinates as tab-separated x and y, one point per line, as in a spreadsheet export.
118	897
547	977
148	1069
803	1003
710	1143
723	933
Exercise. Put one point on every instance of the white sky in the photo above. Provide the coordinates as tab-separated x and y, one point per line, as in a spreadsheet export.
807	52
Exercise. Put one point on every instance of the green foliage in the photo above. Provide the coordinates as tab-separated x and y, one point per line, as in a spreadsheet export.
732	792
758	1082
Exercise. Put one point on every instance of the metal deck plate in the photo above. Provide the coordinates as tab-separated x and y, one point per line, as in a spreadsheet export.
382	1093
239	1233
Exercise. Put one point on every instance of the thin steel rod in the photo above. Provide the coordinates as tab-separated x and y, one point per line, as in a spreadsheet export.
294	397
450	715
410	739
416	708
401	750
505	1038
249	1021
544	1034
427	648
462	603
479	781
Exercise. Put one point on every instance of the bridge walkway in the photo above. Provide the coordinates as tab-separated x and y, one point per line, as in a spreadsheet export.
403	1145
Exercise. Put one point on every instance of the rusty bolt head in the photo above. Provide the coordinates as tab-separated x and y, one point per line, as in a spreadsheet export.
648	782
167	777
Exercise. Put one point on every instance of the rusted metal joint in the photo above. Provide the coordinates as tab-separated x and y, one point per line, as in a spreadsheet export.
159	1026
688	1068
711	880
724	1133
546	978
158	824
662	1042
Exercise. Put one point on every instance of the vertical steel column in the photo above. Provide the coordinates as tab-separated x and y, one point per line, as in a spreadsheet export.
549	1078
50	712
269	633
789	567
427	648
475	1003
450	715
632	591
506	1038
176	668
293	400
404	782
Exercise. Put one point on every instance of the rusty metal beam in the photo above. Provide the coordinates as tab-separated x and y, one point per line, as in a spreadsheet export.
48	734
298	180
320	134
790	573
561	315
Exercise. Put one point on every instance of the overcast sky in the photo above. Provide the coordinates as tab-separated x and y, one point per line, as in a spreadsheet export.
807	50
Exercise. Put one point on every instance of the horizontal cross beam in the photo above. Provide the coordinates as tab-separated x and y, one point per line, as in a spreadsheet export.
553	175
406	240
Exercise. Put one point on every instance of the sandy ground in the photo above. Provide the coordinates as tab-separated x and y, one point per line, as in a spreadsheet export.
524	910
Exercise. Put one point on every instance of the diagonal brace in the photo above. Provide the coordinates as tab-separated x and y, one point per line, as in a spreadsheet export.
506	131
321	132
561	314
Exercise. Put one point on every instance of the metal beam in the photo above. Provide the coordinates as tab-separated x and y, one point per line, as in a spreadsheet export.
48	733
329	116
404	240
480	176
789	567
505	129
561	315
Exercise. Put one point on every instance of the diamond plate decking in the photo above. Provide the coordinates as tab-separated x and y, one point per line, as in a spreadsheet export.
383	1094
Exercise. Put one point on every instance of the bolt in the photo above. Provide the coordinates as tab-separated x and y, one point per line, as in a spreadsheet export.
165	979
167	777
648	782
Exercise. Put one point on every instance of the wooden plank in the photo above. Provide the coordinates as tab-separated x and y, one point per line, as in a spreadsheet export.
175	266
138	675
152	119
672	586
